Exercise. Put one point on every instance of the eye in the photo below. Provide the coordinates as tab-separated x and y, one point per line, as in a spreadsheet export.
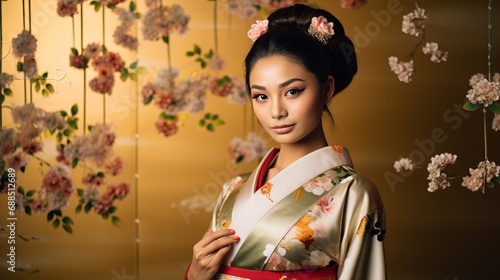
259	97
294	92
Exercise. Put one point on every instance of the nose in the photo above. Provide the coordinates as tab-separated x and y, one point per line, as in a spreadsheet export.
278	110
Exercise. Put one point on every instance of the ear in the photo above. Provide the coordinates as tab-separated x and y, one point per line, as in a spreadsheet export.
328	89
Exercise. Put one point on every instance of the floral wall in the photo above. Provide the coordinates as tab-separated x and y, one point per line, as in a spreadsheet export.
121	119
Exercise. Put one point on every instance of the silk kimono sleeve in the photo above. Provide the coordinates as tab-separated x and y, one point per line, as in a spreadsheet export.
361	253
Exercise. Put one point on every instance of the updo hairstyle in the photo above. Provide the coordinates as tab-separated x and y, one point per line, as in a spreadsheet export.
288	36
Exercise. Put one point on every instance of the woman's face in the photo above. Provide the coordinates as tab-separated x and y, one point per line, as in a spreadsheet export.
287	99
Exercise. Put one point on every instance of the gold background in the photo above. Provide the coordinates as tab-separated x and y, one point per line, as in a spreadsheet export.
450	234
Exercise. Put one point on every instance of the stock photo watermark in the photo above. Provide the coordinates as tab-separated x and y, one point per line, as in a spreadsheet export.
454	117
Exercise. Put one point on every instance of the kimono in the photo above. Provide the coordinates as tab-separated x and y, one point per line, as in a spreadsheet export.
315	219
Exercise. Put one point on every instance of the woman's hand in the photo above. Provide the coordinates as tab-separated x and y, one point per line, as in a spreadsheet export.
208	253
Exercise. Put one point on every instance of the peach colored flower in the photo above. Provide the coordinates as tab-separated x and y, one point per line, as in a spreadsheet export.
257	29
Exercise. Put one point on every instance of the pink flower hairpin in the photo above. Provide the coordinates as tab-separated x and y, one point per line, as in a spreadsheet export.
257	29
321	29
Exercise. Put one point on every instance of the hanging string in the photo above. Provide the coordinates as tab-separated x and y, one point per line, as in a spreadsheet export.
216	40
84	72
1	59
29	29
484	108
103	44
136	176
24	73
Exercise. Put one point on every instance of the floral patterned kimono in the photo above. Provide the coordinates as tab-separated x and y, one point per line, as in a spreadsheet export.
315	219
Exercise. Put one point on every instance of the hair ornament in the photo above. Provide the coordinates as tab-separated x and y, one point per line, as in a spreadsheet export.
321	29
257	29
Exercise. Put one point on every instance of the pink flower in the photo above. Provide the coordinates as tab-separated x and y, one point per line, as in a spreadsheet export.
404	70
495	125
91	50
480	176
67	7
257	29
352	4
32	147
436	54
163	100
484	92
58	186
318	185
7	142
220	87
118	191
24	44
148	92
166	128
29	66
16	160
104	82
93	179
163	21
78	61
217	63
322	26
103	205
437	171
403	164
5	80
115	166
326	204
413	23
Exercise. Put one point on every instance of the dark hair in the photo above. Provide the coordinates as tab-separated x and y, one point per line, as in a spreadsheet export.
287	35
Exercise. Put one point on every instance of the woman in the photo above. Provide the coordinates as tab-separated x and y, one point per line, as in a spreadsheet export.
304	213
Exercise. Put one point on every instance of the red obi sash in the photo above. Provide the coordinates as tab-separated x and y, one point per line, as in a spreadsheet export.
233	273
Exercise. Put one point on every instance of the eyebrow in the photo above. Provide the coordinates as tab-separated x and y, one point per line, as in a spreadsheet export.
282	85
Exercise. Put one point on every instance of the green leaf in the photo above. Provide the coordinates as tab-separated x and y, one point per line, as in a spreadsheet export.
63	113
59	137
97	7
197	49
2	98
469	106
132	6
74	109
30	193
497	180
148	100
74	51
215	117
56	223
165	39
189	53
124	74
50	88
45	92
72	124
45	75
201	123
203	64
79	192
50	216
27	209
116	221
7	91
219	122
133	76
105	216
67	220
210	127
134	64
112	209
208	116
58	212
494	107
20	190
100	174
210	54
68	228
74	163
78	208
19	66
490	185
67	132
87	207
